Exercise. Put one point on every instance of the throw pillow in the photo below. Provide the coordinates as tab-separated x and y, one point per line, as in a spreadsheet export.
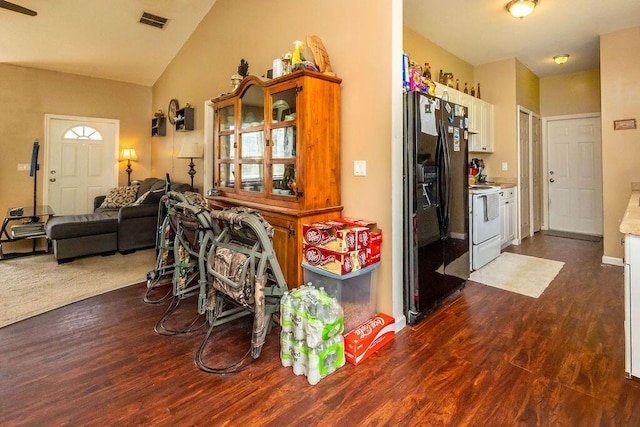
151	196
119	197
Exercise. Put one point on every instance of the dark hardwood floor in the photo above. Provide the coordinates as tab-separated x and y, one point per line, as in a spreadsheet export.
486	358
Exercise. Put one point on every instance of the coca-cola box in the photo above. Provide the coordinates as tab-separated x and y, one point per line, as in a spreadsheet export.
366	338
355	292
335	236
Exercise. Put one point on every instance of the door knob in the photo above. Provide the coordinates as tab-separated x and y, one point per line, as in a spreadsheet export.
52	180
550	172
552	180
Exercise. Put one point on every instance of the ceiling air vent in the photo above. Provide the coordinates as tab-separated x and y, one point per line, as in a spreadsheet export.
153	20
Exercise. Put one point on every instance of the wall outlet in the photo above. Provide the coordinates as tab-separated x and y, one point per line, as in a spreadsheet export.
360	168
24	166
505	166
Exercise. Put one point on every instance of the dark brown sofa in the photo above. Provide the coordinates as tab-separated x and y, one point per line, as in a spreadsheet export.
108	230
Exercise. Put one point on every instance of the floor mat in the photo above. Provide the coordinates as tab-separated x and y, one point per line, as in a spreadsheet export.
525	275
569	235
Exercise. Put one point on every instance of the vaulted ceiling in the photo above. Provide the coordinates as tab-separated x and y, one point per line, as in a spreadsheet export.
103	38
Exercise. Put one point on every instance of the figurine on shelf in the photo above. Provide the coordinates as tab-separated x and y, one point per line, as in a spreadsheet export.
243	68
286	63
158	114
320	55
298	61
297	56
235	82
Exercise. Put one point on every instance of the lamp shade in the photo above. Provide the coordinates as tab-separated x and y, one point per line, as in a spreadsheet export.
190	150
521	8
128	154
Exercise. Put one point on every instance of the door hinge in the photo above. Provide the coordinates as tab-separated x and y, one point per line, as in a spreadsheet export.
299	194
292	232
299	89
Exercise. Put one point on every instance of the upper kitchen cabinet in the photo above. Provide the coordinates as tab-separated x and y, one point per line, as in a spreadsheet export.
479	114
482	141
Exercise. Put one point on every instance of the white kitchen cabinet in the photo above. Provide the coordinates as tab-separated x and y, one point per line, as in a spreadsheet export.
507	216
632	305
482	141
480	115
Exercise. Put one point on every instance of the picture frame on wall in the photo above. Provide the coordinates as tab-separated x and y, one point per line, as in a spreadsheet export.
624	124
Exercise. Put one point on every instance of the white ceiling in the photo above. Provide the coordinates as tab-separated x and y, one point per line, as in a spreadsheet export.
99	38
482	31
102	38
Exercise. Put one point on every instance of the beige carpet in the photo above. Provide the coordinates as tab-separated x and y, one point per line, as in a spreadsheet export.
522	274
36	284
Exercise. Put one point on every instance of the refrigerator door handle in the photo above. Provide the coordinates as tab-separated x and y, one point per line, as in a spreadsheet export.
447	180
440	155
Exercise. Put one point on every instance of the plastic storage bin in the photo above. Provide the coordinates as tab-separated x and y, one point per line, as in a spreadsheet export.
356	291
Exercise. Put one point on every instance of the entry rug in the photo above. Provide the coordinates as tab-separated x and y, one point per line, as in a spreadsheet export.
522	274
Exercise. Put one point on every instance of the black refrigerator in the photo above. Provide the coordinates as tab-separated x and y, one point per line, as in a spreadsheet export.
436	203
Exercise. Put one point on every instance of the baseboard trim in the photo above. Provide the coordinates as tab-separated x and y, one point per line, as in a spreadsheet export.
401	322
612	261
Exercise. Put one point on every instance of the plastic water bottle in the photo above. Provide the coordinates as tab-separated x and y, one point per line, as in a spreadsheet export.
299	355
286	348
286	312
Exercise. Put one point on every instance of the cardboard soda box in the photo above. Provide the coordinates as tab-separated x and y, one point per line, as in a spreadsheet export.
373	238
334	236
335	262
365	339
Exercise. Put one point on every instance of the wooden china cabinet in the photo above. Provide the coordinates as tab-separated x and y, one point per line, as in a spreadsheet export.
277	149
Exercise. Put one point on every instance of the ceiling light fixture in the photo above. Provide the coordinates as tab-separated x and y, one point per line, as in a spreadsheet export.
521	8
561	59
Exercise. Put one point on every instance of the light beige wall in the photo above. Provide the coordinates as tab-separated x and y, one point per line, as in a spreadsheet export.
27	94
527	88
620	94
571	93
498	82
234	30
421	50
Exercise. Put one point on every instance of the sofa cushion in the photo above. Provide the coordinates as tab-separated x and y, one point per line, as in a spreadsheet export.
119	197
69	226
150	184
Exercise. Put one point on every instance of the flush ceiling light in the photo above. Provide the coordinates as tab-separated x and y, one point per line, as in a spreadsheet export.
561	59
521	8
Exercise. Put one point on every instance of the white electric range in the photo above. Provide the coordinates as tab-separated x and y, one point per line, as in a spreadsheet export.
484	224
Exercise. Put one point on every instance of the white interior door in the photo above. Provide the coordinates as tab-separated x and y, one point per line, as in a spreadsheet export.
525	175
536	171
81	162
575	175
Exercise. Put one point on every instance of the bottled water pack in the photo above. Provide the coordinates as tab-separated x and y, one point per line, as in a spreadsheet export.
311	340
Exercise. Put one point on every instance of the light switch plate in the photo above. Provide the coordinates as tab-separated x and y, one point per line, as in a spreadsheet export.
505	166
360	168
24	166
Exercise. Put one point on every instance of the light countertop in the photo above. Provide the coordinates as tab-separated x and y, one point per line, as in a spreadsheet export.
630	223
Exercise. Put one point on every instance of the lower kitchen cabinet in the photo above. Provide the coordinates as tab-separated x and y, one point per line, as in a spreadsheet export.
632	305
287	233
508	217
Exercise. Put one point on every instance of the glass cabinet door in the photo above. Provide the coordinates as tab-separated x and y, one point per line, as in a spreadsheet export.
283	106
226	118
252	107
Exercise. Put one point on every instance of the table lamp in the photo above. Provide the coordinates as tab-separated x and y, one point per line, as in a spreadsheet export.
128	154
191	150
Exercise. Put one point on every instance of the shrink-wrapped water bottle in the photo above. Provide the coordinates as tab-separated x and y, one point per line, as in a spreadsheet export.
286	348
286	312
299	356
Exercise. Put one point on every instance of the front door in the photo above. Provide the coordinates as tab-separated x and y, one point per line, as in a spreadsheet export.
575	175
81	162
